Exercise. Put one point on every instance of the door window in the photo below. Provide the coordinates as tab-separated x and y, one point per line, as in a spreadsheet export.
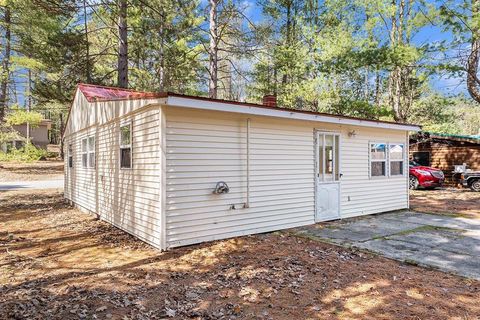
328	145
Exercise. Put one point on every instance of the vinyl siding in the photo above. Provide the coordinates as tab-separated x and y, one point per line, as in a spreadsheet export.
82	115
80	182
206	147
360	194
130	198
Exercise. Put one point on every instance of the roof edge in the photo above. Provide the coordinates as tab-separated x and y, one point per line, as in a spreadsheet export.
237	105
305	115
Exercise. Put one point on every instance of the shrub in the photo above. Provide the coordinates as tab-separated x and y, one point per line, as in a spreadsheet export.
27	153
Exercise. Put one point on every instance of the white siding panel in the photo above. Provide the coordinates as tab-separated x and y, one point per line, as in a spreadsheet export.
80	183
206	147
204	150
130	198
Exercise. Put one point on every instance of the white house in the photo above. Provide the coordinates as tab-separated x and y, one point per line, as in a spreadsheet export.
175	170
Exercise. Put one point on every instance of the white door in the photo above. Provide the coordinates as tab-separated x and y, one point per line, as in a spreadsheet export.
327	176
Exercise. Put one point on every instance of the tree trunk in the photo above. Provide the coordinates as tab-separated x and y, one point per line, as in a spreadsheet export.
213	51
161	54
473	82
377	87
122	65
5	76
29	101
394	78
62	129
88	68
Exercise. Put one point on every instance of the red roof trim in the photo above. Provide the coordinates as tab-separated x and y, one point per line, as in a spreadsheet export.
95	93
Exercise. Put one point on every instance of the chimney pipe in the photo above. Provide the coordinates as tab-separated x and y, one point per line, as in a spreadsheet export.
270	100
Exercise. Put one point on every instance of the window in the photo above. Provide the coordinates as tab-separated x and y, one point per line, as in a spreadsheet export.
84	153
422	158
70	156
328	156
396	159
378	159
126	146
387	159
91	152
88	152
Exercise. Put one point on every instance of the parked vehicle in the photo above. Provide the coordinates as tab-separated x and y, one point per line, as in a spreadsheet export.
471	180
425	177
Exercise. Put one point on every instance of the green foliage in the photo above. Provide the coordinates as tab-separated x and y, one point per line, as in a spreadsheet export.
27	153
19	116
8	134
454	115
358	108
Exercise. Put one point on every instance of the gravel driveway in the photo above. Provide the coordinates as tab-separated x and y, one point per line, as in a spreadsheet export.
448	243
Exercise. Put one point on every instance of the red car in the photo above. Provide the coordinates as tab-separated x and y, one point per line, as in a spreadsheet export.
426	177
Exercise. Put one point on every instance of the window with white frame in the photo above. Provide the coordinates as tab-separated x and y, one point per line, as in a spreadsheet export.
378	159
387	159
70	156
396	157
85	153
91	152
126	146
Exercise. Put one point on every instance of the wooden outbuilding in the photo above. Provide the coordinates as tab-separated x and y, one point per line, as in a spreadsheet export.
445	151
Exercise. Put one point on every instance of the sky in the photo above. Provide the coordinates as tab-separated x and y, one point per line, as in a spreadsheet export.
446	84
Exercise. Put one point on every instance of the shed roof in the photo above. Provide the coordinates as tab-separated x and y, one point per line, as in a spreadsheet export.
426	135
96	93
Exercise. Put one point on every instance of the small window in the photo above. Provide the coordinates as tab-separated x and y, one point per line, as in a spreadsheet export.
91	152
84	153
378	159
422	158
70	156
126	146
396	159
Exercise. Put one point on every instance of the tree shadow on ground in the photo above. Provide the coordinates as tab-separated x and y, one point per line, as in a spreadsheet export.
86	268
447	201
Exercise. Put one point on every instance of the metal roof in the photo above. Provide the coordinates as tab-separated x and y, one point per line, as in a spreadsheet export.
448	136
95	93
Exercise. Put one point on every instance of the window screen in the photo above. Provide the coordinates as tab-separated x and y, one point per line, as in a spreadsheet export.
378	159
126	146
70	156
84	153
91	152
396	159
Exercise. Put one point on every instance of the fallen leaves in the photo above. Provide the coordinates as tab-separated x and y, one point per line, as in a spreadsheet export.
63	264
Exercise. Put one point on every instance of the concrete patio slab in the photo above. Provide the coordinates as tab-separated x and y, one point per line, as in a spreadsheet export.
447	243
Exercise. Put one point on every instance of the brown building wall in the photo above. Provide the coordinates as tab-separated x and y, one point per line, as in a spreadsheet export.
446	155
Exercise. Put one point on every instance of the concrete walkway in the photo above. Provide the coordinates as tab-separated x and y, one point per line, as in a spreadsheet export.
447	243
40	184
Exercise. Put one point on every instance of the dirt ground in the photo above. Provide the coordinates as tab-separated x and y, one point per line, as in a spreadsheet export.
59	263
462	202
40	170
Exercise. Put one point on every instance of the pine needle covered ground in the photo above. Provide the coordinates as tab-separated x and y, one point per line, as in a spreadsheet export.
59	263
